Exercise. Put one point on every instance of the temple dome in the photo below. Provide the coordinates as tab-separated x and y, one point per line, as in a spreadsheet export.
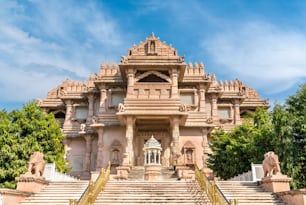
152	143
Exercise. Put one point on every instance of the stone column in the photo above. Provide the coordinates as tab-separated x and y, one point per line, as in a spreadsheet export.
67	148
145	157
205	146
202	99
129	134
196	99
90	108
175	137
87	160
130	76
68	113
103	97
206	149
174	88
100	149
214	107
237	119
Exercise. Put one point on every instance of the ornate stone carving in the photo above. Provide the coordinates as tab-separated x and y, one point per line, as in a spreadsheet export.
121	107
36	165
184	108
83	127
270	164
94	119
124	59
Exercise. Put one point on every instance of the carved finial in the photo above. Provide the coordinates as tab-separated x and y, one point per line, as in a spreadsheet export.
202	67
213	78
221	83
102	66
152	35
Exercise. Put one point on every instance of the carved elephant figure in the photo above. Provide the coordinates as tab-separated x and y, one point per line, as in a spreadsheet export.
36	164
270	164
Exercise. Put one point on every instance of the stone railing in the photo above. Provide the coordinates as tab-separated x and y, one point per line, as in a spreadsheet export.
93	189
109	70
231	85
214	193
194	70
75	86
51	174
255	174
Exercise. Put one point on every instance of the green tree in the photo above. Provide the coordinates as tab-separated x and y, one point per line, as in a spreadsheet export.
231	151
282	131
234	151
23	132
289	122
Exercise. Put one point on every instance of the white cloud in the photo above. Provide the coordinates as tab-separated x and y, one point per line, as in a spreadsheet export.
266	57
46	42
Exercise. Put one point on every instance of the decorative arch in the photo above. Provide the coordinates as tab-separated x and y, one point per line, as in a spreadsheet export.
115	153
189	153
162	76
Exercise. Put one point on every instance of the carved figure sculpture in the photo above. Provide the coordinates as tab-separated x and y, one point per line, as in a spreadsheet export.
36	164
121	107
270	164
82	127
94	119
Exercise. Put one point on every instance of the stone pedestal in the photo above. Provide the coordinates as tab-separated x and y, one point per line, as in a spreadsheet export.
208	173
152	172
276	183
123	172
30	183
184	172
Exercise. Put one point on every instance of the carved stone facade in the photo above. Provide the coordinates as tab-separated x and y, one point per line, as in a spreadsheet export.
152	91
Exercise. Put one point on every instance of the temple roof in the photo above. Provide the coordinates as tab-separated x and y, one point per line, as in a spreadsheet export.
152	46
152	143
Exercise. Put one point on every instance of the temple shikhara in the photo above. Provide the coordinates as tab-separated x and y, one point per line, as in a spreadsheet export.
152	108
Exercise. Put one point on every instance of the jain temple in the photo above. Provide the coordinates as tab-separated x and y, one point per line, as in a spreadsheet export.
151	96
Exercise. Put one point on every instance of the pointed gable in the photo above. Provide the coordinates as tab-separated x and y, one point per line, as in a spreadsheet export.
152	46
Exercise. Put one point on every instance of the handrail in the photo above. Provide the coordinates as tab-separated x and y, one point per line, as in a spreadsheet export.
94	188
214	193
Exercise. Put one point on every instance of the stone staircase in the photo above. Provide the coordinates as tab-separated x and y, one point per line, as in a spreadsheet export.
247	193
57	193
150	192
136	174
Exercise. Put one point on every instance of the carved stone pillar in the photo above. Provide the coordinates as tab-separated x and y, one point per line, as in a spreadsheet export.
68	113
202	100
206	150
100	149
67	148
90	108
237	119
130	76
214	107
174	88
87	153
175	137
103	97
204	146
129	134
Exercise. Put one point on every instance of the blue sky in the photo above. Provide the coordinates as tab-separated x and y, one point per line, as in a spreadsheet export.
262	42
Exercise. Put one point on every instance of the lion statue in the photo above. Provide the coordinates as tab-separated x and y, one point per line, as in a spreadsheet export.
270	164
36	164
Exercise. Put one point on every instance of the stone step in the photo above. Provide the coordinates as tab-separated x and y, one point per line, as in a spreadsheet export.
147	192
247	193
57	193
